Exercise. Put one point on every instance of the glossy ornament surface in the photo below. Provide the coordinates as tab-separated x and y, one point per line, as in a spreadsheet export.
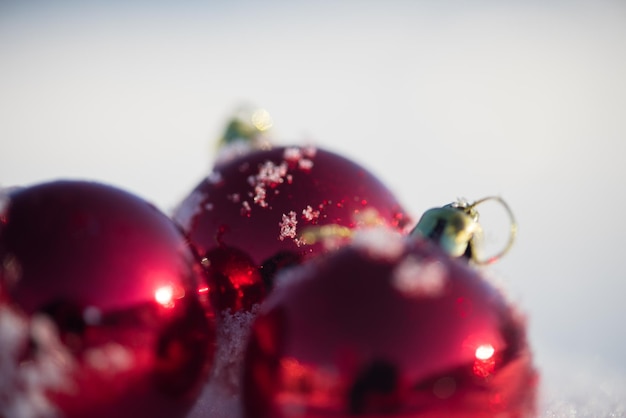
99	307
281	206
387	328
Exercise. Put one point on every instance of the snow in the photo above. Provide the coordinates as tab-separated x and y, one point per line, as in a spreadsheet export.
288	226
417	278
379	242
570	387
310	214
222	394
580	388
23	385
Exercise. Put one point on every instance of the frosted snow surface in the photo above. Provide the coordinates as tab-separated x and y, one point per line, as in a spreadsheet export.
23	386
221	397
416	278
570	389
379	242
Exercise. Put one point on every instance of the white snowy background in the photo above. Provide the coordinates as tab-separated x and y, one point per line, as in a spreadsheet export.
441	99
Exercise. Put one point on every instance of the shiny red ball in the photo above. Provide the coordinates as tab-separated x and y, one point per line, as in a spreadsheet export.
387	328
262	205
99	307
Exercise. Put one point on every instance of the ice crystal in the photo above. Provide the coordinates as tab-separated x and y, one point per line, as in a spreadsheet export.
296	155
305	164
259	195
269	175
288	226
309	214
245	208
309	151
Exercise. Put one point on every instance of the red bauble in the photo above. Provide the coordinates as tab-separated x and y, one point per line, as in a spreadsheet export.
99	307
387	328
258	206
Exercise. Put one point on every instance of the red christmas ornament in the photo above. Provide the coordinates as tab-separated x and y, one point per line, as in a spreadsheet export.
387	328
99	307
271	208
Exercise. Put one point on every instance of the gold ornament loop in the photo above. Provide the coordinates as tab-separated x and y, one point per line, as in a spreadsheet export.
456	229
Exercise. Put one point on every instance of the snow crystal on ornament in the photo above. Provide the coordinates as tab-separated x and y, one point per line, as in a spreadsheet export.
296	155
309	214
259	195
245	208
288	227
417	278
292	154
305	164
301	156
269	175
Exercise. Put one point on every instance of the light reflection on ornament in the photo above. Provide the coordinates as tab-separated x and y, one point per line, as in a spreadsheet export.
484	352
164	295
485	362
262	120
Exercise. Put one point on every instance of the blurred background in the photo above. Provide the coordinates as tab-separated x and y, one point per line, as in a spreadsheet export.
440	99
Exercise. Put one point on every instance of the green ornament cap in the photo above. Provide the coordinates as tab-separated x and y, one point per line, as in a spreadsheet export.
456	229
